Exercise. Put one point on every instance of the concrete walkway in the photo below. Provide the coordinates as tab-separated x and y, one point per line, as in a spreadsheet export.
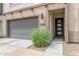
19	47
55	49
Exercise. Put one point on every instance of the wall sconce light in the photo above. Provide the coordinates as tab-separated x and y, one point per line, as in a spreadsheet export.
46	6
11	13
42	16
20	11
3	14
42	21
31	9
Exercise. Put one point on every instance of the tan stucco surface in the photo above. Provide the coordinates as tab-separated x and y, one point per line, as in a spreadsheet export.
71	24
30	13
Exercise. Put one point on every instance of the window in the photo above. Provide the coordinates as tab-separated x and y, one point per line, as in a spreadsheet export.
59	33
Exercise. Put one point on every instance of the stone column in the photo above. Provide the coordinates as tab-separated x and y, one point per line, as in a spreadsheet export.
73	31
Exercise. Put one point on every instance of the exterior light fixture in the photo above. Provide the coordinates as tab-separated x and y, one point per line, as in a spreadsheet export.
11	13
42	21
42	17
20	11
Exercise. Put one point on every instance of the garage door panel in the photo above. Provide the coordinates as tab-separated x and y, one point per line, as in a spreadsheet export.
21	37
22	28
21	33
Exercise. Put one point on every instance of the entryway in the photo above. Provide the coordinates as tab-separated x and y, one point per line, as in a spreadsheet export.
55	48
57	23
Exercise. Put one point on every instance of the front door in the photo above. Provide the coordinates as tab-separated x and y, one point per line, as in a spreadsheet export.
59	30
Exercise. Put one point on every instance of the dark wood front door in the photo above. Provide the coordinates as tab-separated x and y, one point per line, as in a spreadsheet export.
59	29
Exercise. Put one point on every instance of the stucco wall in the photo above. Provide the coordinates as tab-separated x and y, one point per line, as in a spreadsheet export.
36	11
16	6
25	14
73	22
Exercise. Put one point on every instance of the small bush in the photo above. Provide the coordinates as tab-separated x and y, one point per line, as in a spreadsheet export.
41	37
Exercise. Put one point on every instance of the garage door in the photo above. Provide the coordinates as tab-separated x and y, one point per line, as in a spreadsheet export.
0	26
22	29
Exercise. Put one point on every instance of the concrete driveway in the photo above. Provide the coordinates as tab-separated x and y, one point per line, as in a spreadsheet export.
16	42
19	47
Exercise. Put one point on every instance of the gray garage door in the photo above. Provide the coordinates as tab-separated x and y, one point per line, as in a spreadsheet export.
0	26
22	29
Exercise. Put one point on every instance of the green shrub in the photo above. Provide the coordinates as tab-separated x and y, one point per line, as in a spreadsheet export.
41	37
